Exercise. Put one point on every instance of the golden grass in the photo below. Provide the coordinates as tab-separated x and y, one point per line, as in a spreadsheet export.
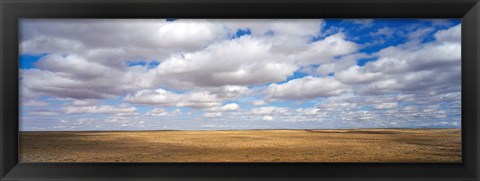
358	145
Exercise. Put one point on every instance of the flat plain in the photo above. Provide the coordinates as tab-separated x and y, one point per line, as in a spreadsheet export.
355	145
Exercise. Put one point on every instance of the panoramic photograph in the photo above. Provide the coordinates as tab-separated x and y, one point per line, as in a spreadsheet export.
240	90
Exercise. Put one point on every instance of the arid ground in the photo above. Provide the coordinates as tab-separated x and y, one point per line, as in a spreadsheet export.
358	145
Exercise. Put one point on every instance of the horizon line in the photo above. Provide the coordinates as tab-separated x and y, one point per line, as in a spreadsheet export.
216	129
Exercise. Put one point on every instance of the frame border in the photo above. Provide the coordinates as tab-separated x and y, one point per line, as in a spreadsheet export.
12	10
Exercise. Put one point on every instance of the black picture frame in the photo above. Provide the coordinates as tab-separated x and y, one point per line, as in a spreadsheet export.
12	10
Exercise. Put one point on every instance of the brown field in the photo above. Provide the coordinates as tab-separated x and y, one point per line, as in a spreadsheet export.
358	145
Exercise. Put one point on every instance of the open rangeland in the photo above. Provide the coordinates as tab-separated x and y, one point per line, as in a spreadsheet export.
357	145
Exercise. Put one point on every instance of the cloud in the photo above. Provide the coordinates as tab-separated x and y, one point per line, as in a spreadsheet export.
212	114
336	105
267	118
34	103
386	105
356	75
211	99
451	35
231	92
44	113
185	63
308	111
259	102
163	112
224	108
323	51
146	40
67	77
410	67
364	22
243	61
306	88
420	33
104	109
287	36
385	31
293	73
270	110
338	64
160	97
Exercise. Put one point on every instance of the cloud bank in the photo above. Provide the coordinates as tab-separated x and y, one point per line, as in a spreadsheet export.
239	74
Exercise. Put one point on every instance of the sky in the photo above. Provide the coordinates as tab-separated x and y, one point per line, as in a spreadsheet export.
212	74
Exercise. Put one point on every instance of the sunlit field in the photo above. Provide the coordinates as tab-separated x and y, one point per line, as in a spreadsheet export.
358	145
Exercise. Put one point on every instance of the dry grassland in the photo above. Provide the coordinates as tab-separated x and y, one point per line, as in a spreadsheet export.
358	145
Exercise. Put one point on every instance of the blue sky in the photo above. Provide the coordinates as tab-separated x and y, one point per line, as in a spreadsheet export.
239	74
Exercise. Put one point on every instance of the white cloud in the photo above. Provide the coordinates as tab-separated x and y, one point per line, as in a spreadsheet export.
103	109
323	51
308	111
200	99
224	108
306	88
386	105
34	103
410	67
267	118
243	61
200	64
259	102
287	36
44	113
336	105
385	31
355	75
337	65
364	22
185	55
270	110
212	114
84	102
451	35
163	112
157	97
146	40
231	92
67	77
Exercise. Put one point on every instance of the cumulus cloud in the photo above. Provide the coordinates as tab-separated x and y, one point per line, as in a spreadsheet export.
323	51
259	102
338	105
291	73
451	35
308	111
243	61
287	36
105	38
160	97
34	103
224	108
306	88
194	99
386	105
270	110
338	64
163	112
212	114
364	22
267	118
104	109
410	67
74	77
356	75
